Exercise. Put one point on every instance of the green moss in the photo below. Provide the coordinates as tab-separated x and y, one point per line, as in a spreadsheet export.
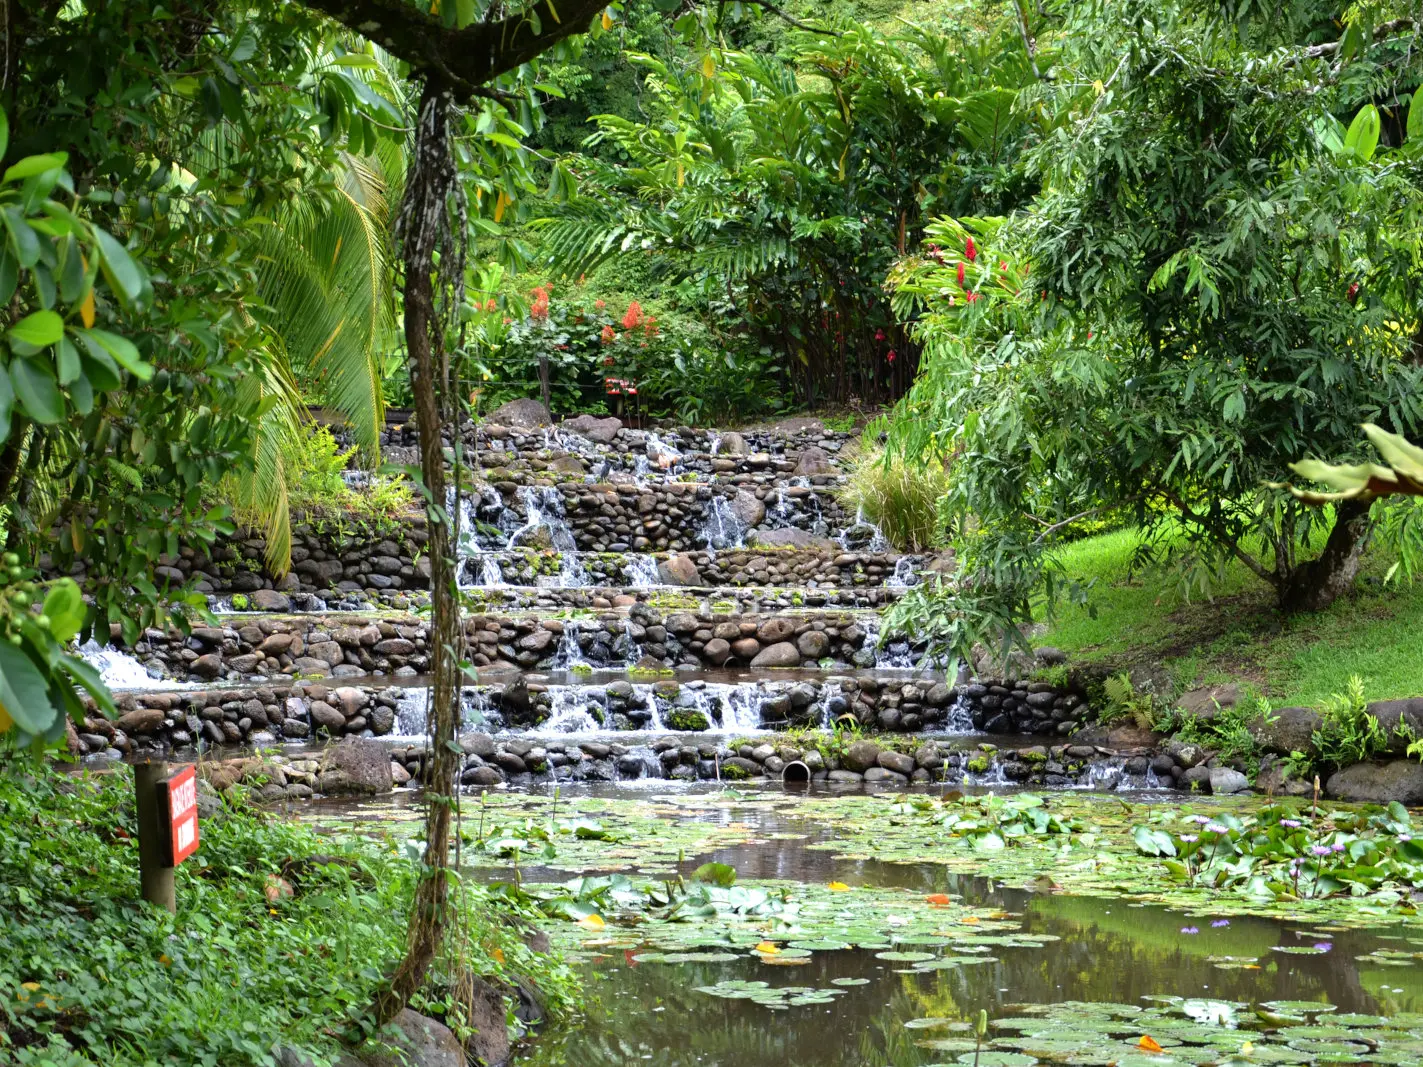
1033	757
734	773
688	720
978	764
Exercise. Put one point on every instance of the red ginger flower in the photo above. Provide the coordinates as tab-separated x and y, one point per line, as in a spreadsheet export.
961	276
608	336
633	318
970	250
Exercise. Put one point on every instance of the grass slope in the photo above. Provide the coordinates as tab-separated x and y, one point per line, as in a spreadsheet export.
1142	619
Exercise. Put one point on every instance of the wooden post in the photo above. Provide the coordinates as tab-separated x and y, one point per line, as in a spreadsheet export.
154	869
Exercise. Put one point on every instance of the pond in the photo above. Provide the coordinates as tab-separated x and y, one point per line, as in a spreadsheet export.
858	959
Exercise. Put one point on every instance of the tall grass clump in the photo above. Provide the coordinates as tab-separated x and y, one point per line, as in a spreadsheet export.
900	498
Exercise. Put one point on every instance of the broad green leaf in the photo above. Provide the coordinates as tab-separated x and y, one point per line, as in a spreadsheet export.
24	694
37	390
1415	117
65	607
722	874
32	165
124	351
1363	136
69	369
1396	451
356	59
39	328
123	274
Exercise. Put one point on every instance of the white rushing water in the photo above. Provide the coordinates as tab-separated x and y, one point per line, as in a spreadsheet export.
119	670
723	529
905	574
642	572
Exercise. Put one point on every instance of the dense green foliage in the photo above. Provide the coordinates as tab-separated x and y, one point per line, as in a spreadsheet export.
1219	278
280	939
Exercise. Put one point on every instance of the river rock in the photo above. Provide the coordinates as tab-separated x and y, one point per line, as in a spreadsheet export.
1225	780
1204	703
141	721
595	429
1288	730
423	1042
207	667
793	538
679	570
323	714
747	508
813	644
269	600
1380	783
1394	713
522	414
733	444
860	756
897	762
782	654
717	651
355	765
814	461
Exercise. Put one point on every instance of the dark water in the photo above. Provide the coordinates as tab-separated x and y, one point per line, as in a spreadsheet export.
1109	951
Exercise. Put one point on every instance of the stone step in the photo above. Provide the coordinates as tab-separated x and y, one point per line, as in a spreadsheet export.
336	644
297	711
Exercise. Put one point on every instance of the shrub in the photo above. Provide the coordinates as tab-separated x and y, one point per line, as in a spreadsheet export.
902	499
1347	732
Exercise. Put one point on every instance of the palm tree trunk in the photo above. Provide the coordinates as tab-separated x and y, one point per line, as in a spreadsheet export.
424	217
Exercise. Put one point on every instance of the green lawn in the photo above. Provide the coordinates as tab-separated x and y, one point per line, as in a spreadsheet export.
1142	619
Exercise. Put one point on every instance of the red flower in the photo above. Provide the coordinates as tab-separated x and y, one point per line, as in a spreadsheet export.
539	308
879	335
633	318
970	296
961	276
1353	293
489	304
1089	335
599	304
607	336
890	355
1003	266
608	361
970	250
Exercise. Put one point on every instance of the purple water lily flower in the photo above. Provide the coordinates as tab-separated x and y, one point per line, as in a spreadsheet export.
1320	850
1293	824
1337	847
1190	930
1214	828
1218	923
1202	819
1323	946
1404	837
1189	838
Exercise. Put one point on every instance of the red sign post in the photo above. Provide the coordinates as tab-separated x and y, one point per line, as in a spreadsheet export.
179	806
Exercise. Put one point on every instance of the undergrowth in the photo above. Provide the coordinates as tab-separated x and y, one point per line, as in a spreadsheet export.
280	939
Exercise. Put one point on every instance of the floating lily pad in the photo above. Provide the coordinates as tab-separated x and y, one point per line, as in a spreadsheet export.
904	957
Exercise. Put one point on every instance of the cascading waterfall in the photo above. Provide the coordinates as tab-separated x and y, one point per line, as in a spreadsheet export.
741	707
642	572
412	712
543	508
832	703
723	529
627	644
959	719
573	710
569	653
863	535
896	654
119	670
905	574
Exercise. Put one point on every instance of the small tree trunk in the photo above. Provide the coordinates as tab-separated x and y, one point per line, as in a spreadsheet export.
1313	586
424	216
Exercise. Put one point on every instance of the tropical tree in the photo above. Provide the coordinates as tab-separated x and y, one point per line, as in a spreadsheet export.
1219	276
781	186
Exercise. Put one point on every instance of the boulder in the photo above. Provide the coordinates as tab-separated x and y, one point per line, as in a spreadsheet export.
897	762
814	461
1392	714
733	444
423	1042
595	429
488	1045
1288	730
717	651
269	600
1225	780
781	654
523	414
775	629
323	714
141	721
747	508
209	666
861	756
1204	703
1379	783
813	644
571	465
355	765
679	570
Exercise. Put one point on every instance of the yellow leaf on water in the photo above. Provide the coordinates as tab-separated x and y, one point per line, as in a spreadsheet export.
767	948
838	887
1247	1048
592	922
1148	1044
970	919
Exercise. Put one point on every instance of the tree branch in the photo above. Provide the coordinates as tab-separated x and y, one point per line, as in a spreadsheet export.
1223	537
465	60
1383	29
766	5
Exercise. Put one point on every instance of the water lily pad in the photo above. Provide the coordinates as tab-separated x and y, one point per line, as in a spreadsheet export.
929	1023
904	957
849	981
998	1059
1308	1006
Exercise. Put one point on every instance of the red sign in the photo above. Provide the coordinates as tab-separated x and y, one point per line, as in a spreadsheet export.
180	801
